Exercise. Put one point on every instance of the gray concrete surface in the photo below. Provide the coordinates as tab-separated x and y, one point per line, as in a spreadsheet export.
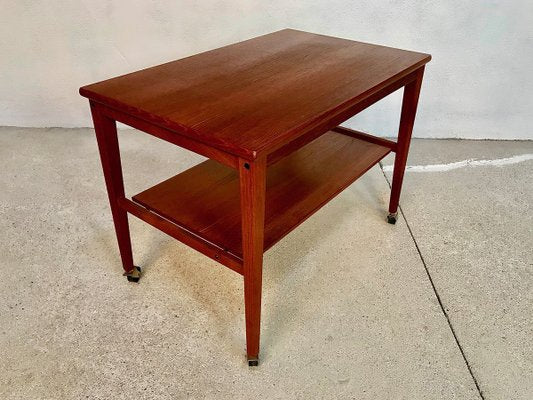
474	227
349	311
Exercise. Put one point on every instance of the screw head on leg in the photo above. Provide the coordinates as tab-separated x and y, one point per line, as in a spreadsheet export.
392	217
134	275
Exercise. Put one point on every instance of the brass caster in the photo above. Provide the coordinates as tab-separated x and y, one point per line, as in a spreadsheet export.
253	362
134	275
392	217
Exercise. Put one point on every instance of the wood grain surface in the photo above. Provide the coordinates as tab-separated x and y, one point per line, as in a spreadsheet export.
252	97
205	199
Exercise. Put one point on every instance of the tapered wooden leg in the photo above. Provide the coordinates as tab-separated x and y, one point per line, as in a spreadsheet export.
106	136
409	104
252	187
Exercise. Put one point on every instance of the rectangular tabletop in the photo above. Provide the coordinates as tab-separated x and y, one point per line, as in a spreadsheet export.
250	98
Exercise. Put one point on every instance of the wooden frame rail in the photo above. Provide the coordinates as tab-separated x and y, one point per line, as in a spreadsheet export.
181	234
170	136
366	137
340	116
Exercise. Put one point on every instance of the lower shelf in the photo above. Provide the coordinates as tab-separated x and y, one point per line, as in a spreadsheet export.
205	199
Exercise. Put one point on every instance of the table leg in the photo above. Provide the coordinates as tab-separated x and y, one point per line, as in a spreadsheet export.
409	104
106	136
252	187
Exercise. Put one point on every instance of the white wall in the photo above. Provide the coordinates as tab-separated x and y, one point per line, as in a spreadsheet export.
478	84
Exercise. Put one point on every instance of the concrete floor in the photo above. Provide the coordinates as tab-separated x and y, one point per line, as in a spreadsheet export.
438	306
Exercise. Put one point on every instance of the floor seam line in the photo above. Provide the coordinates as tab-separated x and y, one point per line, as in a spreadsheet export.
439	300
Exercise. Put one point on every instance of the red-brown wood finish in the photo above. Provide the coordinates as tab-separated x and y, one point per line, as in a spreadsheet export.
366	137
205	199
169	136
252	184
407	120
330	122
253	97
183	235
266	113
106	136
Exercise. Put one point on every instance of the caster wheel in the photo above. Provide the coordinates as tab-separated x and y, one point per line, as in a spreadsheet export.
253	362
392	217
134	275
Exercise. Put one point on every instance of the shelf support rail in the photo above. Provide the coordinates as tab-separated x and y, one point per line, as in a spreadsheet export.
366	137
177	232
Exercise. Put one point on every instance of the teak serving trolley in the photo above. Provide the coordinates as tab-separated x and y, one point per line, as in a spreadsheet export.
266	113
